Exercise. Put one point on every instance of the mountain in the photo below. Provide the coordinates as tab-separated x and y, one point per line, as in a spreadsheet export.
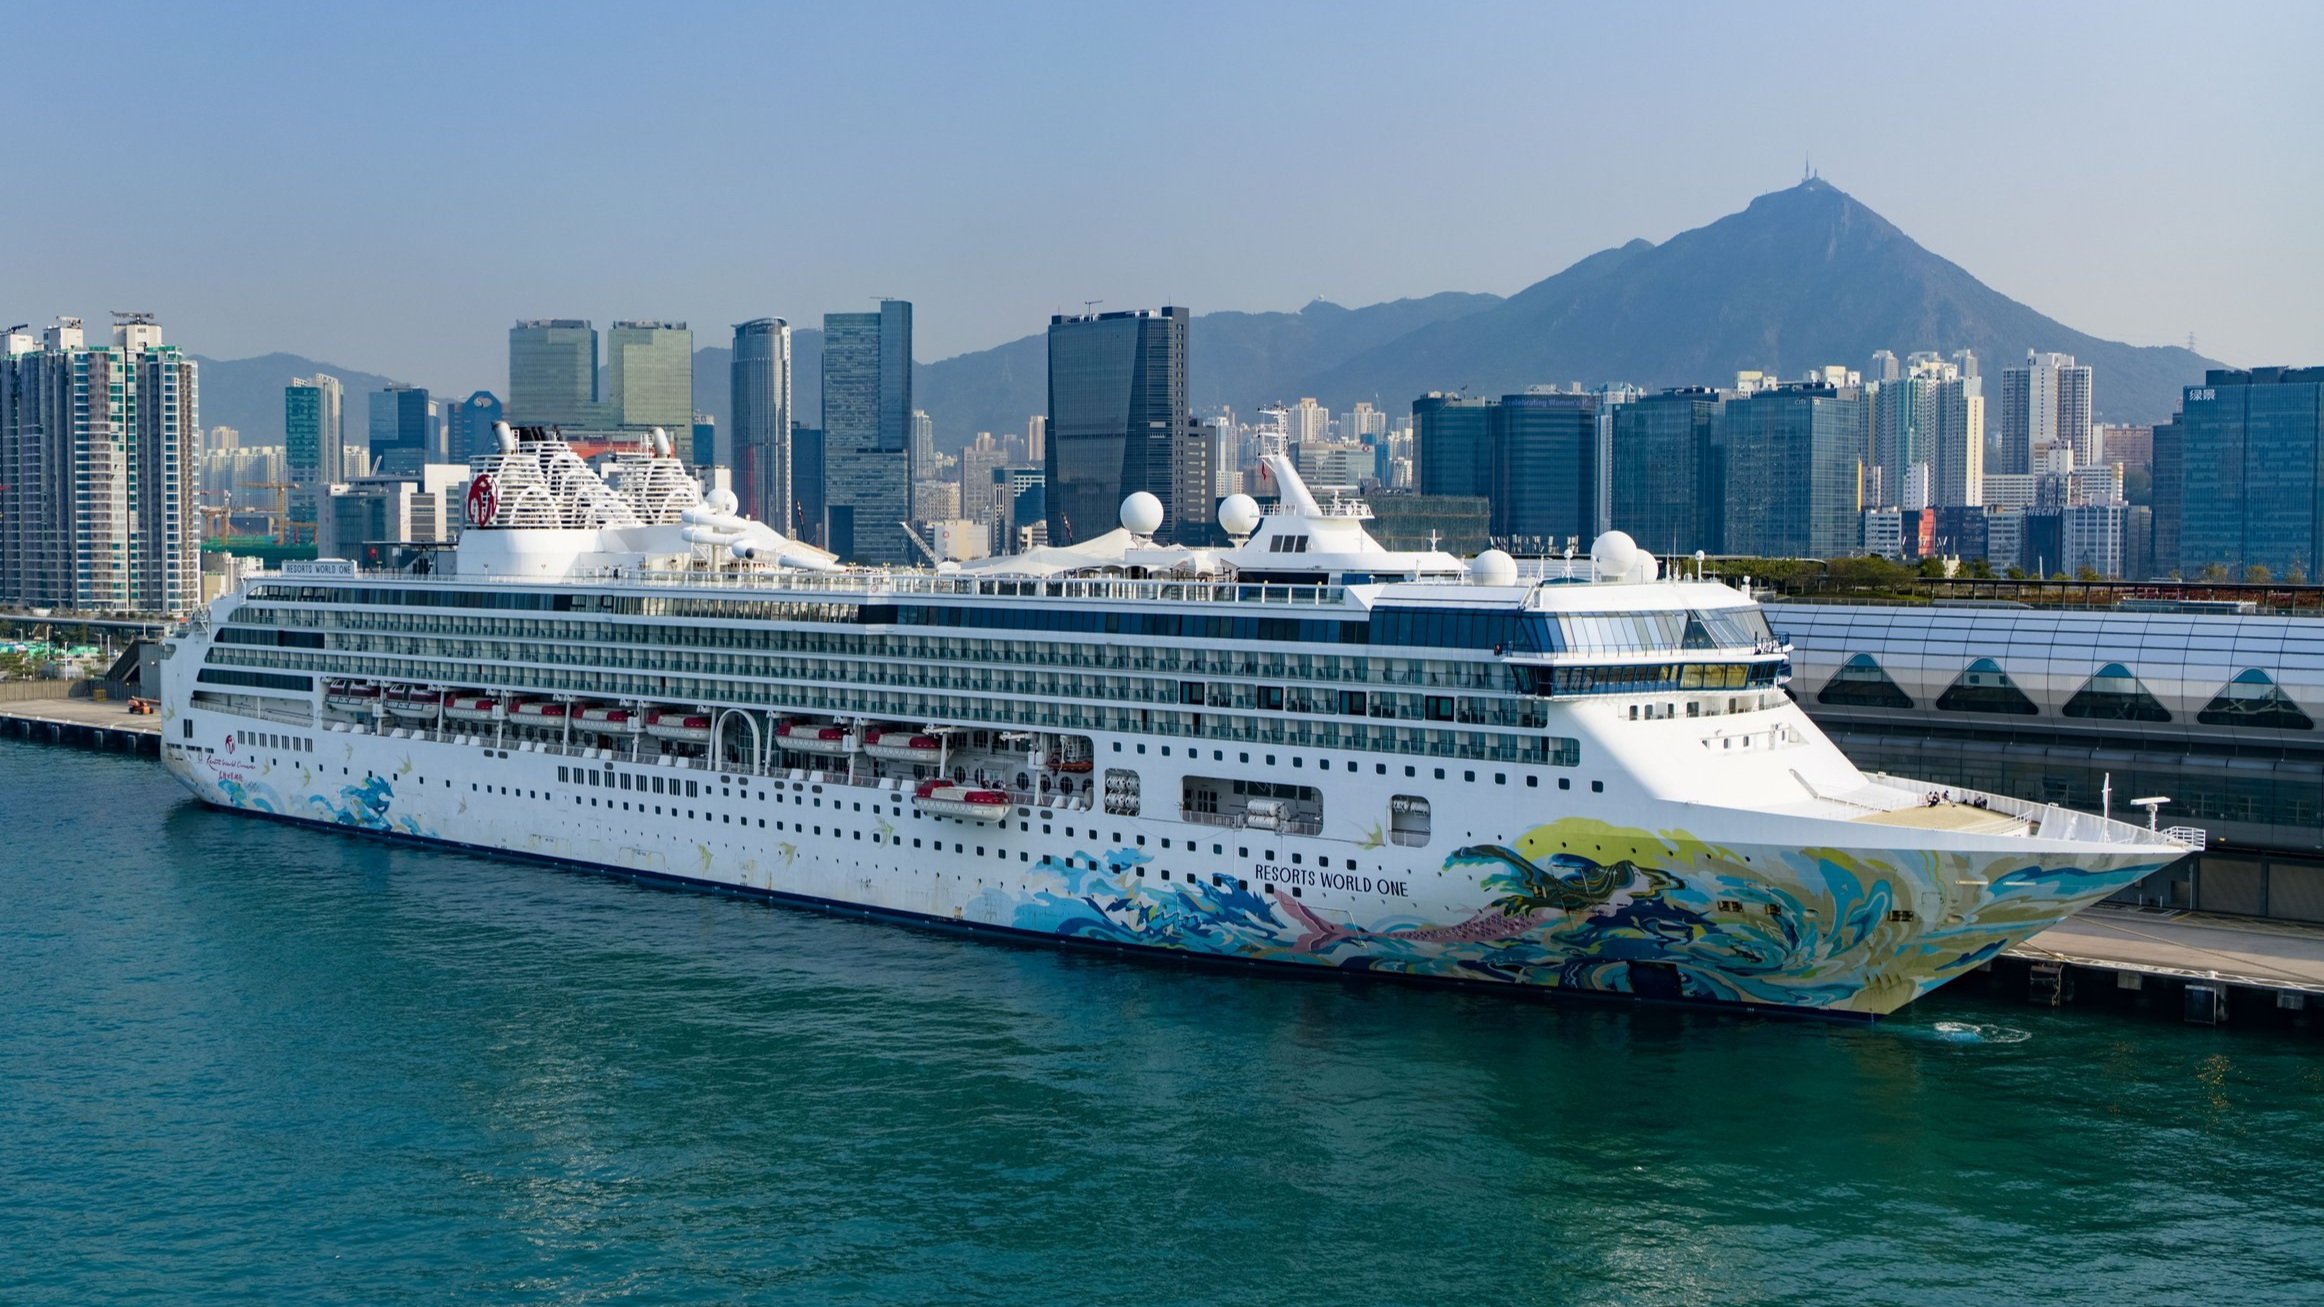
246	394
1241	359
1802	277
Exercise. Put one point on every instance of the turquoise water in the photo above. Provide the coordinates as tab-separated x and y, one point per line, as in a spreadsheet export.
242	1061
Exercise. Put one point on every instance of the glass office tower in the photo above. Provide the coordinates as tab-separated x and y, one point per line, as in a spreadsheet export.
2246	449
759	443
552	373
867	433
1795	470
1118	414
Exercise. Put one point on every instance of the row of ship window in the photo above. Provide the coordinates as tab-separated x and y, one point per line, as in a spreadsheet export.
1016	710
1388	626
2112	693
662	645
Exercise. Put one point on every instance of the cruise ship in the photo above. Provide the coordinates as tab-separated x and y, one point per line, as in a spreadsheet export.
1584	775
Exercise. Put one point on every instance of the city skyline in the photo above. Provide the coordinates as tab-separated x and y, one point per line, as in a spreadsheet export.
998	261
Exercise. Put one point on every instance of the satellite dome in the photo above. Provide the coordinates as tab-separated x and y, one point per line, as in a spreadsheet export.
721	500
1493	567
1142	514
1238	515
1613	555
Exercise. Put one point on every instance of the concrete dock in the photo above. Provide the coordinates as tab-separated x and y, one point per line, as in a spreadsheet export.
84	722
2205	969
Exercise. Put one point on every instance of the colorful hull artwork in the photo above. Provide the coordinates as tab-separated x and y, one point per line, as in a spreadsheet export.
1574	905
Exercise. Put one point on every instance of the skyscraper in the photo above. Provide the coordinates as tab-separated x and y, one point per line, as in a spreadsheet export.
1665	487
759	445
807	484
1119	421
314	441
403	431
1037	440
1363	424
867	446
1306	423
2045	403
1883	366
923	441
98	470
1452	445
469	427
1545	470
1795	466
649	376
2248	449
1928	437
552	373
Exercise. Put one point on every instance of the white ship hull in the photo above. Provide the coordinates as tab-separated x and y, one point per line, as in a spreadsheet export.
1589	904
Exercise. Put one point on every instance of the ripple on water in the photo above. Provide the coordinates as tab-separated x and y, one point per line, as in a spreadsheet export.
241	1060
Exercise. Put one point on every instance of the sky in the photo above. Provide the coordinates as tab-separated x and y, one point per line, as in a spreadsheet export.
387	187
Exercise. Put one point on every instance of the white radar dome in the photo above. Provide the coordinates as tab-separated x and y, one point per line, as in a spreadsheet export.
721	500
1493	567
1238	515
1613	554
1142	514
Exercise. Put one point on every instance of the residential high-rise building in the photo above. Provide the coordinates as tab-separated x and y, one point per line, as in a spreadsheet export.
2044	404
759	444
1883	366
1306	423
1119	421
1545	471
2131	446
1363	424
552	373
1666	488
99	470
649	376
314	441
1037	440
469	427
2249	454
1452	445
923	440
1928	437
403	431
1795	465
867	447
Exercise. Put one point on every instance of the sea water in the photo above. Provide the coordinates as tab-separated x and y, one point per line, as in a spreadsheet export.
246	1061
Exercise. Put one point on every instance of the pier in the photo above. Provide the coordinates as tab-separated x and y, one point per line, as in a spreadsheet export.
87	723
2209	970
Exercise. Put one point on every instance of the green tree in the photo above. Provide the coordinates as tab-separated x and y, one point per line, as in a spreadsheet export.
2297	573
1980	569
2212	572
2258	574
1933	568
2087	573
2015	574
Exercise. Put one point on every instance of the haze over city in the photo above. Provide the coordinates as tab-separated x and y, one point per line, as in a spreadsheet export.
392	188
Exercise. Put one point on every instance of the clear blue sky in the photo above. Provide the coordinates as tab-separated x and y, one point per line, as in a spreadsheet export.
388	186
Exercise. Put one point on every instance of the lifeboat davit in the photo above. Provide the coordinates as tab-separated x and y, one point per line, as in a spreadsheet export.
351	698
668	725
599	714
903	746
415	705
471	707
951	799
809	738
537	711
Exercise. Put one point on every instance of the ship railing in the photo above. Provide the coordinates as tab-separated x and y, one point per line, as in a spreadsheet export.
2052	821
891	584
